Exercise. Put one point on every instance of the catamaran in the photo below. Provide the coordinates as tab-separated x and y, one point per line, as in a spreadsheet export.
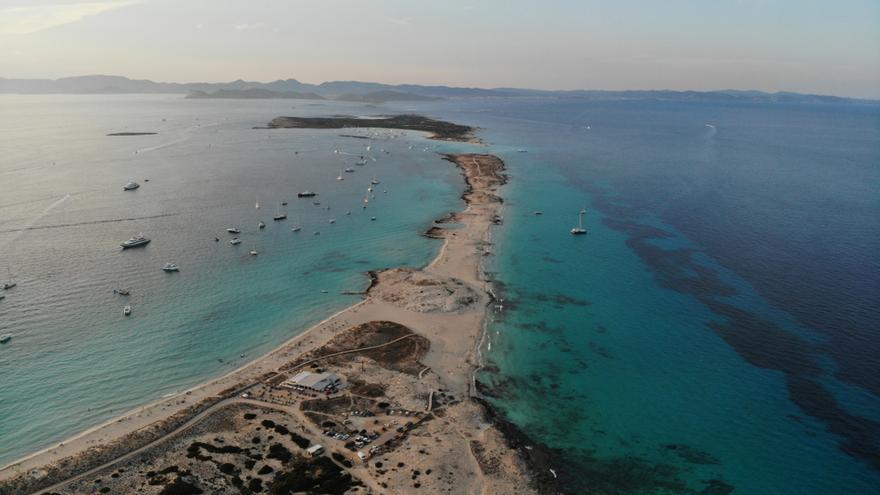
279	215
579	230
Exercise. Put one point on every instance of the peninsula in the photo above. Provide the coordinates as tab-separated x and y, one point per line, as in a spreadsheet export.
446	131
378	398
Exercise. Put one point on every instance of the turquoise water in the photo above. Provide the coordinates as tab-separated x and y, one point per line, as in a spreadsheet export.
716	330
75	360
714	333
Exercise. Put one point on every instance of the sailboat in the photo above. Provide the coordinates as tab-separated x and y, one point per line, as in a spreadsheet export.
11	283
257	206
340	177
279	215
579	230
253	251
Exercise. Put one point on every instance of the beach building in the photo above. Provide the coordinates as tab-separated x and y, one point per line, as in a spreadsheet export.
318	382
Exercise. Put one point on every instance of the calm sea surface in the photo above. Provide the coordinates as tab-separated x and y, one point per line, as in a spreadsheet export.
74	359
715	332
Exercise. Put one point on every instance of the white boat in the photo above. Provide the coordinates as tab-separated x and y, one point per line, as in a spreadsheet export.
306	194
253	251
136	241
131	186
296	228
233	230
370	189
5	338
579	230
340	177
170	267
126	310
235	241
257	206
374	181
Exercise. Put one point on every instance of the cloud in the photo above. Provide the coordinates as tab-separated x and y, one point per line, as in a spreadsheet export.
33	18
248	27
396	20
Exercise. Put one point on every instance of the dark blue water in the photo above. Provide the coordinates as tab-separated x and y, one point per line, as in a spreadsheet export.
717	331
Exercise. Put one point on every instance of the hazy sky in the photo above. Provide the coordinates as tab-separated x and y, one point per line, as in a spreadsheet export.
830	46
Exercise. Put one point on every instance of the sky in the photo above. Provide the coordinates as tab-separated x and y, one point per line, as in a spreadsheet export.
825	47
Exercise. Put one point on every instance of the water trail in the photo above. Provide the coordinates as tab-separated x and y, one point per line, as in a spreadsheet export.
34	220
30	226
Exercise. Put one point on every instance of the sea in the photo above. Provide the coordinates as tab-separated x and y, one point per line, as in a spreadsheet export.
714	332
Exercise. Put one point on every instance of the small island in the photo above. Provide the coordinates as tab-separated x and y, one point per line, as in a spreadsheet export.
439	129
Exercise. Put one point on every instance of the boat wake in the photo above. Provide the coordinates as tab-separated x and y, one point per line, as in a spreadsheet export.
77	224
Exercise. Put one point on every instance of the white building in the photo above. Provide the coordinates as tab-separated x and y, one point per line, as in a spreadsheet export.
316	381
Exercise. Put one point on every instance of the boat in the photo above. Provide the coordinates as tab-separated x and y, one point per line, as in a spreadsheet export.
11	283
372	218
361	162
257	206
233	230
317	232
126	310
370	189
538	212
306	194
340	177
579	230
522	150
136	241
235	241
296	228
253	251
122	292
261	225
348	212
5	338
332	220
284	203
2	297
349	170
279	215
131	186
374	181
170	267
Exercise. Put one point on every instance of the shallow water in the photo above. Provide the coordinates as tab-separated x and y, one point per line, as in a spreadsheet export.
74	359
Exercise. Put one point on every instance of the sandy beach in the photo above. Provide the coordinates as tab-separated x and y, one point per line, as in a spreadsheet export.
444	303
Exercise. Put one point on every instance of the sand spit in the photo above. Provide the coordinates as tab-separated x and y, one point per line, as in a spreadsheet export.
403	420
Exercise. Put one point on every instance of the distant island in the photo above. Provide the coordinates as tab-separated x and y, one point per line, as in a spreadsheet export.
263	94
439	129
370	92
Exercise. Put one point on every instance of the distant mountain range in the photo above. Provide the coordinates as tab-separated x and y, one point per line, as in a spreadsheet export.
366	91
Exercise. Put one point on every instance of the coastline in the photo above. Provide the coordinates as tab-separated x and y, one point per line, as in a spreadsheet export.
453	354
